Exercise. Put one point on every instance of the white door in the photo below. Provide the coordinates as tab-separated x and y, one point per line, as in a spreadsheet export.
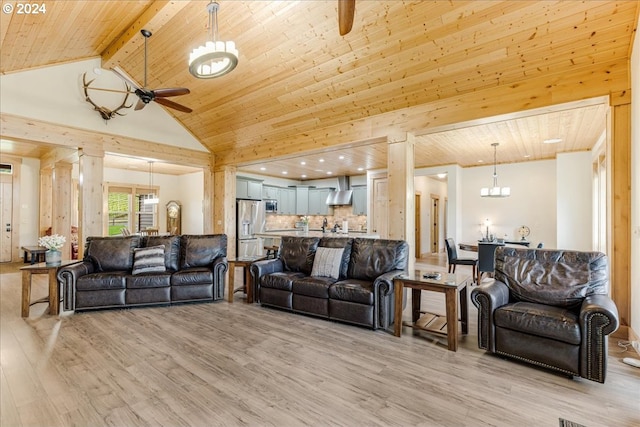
6	208
380	207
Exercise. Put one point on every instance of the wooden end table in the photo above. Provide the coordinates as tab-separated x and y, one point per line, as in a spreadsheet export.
54	291
452	285
243	262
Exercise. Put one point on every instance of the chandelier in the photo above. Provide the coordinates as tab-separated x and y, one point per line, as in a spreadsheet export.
495	191
216	58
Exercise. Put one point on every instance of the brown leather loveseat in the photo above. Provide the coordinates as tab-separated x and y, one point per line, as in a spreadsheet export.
550	308
134	271
338	278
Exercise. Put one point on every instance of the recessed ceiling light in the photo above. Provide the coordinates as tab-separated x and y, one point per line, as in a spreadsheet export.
304	176
360	169
526	156
480	161
263	168
284	172
552	141
303	162
442	175
341	157
329	173
321	160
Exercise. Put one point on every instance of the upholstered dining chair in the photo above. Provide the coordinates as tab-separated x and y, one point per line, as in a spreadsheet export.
452	255
486	261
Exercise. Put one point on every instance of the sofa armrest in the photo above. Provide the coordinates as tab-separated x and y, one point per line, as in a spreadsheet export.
259	269
384	304
67	276
219	267
598	318
487	298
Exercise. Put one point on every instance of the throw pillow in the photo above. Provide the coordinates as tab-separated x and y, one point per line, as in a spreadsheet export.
327	262
148	260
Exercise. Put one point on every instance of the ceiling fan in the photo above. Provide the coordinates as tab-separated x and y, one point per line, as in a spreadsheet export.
158	95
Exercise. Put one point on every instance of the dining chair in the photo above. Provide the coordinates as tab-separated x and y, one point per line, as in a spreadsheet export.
452	255
486	258
540	245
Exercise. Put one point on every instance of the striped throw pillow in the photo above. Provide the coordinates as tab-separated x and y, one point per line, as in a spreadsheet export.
327	262
148	260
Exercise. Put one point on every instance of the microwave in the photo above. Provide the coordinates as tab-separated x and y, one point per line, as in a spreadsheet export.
271	206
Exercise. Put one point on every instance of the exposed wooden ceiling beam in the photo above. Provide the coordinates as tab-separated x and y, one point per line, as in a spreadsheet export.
157	15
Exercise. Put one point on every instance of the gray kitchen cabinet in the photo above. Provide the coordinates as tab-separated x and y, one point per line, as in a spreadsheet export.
359	200
318	201
270	192
248	189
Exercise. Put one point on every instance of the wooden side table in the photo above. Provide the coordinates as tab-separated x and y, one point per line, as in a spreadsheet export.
452	285
54	291
243	262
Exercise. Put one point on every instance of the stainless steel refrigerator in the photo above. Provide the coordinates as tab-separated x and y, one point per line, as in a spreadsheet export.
250	216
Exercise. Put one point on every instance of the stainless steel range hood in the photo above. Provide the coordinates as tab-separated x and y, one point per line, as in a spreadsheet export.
341	196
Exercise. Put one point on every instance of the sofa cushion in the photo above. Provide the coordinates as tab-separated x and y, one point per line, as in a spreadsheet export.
280	280
96	281
340	242
111	253
371	258
327	262
201	250
297	253
312	286
192	276
148	280
171	249
148	260
358	291
542	320
553	277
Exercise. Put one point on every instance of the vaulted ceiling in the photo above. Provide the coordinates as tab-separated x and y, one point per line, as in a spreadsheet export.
417	67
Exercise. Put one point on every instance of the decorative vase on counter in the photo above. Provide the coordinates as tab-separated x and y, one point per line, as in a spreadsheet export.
53	258
306	228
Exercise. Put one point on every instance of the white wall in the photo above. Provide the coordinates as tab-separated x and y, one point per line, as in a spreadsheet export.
532	202
575	201
29	201
635	185
191	188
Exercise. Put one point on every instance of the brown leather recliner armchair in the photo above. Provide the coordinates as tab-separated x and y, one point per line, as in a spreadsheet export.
550	308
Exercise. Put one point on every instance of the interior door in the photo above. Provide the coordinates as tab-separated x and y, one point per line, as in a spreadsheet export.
6	209
418	221
380	207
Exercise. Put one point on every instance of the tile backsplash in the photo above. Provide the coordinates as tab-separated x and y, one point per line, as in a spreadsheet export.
340	213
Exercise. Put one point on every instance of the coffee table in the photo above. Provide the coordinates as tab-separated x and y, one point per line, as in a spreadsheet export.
54	291
453	286
243	262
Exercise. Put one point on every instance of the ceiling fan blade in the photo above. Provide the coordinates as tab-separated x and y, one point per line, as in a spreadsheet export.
140	105
174	91
174	105
346	11
125	78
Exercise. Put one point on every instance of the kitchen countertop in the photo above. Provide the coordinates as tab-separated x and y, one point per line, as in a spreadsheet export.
317	233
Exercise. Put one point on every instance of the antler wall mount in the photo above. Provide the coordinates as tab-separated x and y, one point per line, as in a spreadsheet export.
105	113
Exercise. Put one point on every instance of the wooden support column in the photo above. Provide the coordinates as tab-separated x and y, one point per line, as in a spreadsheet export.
620	219
400	167
208	202
61	209
224	205
46	200
90	203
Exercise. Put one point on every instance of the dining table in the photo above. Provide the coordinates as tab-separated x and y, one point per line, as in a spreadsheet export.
473	247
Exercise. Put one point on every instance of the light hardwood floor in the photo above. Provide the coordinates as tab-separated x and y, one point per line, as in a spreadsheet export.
245	365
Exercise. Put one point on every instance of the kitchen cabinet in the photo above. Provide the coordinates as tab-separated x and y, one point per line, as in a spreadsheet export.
270	192
318	201
287	201
359	200
248	189
302	200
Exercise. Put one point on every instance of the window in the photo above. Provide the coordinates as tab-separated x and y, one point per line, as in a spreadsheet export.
127	210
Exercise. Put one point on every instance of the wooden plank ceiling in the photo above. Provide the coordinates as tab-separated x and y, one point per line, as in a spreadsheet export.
301	88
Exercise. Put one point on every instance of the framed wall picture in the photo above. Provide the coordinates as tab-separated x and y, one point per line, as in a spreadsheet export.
174	218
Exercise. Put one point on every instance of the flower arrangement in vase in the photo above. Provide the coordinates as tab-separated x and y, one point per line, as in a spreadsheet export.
53	243
305	223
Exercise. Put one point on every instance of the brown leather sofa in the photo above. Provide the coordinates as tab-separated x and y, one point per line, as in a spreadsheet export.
550	308
193	269
360	292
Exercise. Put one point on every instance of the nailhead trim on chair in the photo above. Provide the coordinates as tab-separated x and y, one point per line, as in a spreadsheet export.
483	325
599	343
535	362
